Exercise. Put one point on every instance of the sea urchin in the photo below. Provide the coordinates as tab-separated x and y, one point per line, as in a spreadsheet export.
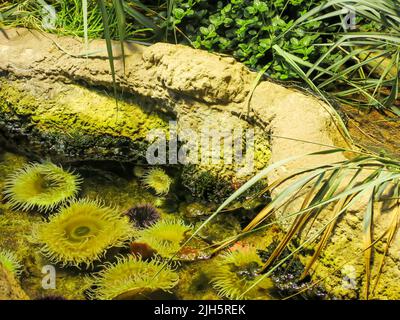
41	186
132	277
143	215
157	180
165	236
82	232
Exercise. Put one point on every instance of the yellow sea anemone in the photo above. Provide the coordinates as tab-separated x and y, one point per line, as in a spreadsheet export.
237	272
131	277
165	236
10	261
41	187
82	232
157	180
139	171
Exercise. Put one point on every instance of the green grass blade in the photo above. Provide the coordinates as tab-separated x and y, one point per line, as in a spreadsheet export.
121	23
107	36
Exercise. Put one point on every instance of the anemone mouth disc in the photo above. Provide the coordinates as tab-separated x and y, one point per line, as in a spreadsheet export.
131	277
237	277
41	186
82	232
165	236
157	180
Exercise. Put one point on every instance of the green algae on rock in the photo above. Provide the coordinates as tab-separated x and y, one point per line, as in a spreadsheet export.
73	123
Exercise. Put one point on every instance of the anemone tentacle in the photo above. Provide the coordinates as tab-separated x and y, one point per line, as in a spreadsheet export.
10	261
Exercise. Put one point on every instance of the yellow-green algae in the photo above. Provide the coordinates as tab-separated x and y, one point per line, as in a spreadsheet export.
80	110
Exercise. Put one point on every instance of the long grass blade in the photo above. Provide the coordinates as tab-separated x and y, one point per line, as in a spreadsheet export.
108	40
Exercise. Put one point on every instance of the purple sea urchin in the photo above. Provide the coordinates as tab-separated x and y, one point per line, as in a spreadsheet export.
143	215
41	187
82	232
157	180
132	277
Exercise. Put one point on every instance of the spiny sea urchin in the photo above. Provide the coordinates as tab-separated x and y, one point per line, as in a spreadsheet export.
10	261
157	180
131	277
82	232
165	236
41	186
237	272
143	215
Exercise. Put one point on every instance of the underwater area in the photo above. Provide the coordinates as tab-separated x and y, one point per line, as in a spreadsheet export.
192	150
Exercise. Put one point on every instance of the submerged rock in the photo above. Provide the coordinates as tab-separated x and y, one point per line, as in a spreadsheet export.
9	286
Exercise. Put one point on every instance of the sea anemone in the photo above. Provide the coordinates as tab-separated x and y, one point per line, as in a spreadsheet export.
9	261
82	232
41	186
139	171
165	237
157	180
237	272
143	215
132	277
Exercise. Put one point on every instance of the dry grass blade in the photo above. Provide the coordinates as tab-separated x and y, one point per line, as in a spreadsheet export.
325	237
393	228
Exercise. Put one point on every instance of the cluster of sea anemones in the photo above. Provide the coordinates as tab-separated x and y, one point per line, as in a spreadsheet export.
81	233
41	186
